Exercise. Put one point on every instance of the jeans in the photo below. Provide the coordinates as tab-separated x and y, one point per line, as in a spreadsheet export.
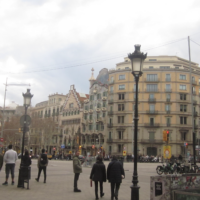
96	188
10	167
114	189
76	176
44	168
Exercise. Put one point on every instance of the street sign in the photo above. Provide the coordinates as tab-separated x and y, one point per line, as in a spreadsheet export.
124	153
62	146
167	152
1	139
28	120
70	152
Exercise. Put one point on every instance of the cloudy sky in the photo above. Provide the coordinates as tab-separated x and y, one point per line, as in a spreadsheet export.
53	44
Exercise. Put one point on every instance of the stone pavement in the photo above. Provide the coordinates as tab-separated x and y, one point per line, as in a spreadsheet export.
59	184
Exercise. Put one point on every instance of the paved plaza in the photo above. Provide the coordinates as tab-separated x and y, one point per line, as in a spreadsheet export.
59	184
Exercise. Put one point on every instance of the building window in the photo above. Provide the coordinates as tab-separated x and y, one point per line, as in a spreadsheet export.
152	77
121	119
167	107
98	116
97	127
85	116
90	117
110	149
183	120
168	96
168	120
91	97
168	88
183	136
121	96
182	87
151	96
71	105
150	67
90	127
98	96
104	94
151	136
164	67
104	104
121	77
119	148
104	114
151	120
91	106
183	108
152	87
168	77
98	105
120	107
152	59
182	96
111	89
182	77
152	108
120	135
121	87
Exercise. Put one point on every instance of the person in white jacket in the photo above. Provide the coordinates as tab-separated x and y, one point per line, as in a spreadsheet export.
10	158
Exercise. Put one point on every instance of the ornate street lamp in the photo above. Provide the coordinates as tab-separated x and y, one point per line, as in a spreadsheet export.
137	59
27	102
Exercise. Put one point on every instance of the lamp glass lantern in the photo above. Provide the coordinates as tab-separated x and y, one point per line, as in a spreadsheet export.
137	60
27	98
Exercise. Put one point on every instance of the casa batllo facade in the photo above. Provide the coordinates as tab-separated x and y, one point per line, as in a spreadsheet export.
94	124
167	95
70	122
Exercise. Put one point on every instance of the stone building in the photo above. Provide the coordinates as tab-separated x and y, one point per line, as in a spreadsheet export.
71	120
167	96
94	124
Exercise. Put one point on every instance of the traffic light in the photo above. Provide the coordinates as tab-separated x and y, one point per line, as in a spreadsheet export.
80	147
164	135
167	132
186	145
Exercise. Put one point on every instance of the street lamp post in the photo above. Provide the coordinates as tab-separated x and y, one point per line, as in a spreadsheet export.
137	58
27	101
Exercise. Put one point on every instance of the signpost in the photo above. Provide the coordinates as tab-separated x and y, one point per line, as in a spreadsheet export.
1	139
62	146
167	152
124	153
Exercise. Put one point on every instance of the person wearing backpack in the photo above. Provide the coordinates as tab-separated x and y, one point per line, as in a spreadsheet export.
42	165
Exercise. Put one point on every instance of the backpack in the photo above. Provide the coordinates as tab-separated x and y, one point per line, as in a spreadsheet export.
43	159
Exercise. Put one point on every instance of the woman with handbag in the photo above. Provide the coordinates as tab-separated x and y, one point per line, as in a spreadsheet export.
98	174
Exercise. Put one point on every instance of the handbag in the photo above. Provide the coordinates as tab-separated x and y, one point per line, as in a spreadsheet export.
90	183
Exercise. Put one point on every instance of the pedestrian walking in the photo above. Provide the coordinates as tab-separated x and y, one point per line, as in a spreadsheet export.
10	158
115	174
42	165
77	170
98	174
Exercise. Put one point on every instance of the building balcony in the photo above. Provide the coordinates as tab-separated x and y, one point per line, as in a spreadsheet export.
98	109
194	82
85	111
168	90
194	101
168	99
104	98
152	90
152	125
168	111
152	80
110	112
152	112
109	140
152	100
110	101
155	141
110	125
111	82
90	111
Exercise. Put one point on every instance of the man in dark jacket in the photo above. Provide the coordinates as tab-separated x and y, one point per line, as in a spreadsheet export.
115	173
77	170
42	165
98	174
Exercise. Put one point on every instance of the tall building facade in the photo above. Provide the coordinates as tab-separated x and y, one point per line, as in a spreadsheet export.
94	124
167	96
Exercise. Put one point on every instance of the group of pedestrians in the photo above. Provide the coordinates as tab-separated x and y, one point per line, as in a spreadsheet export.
115	174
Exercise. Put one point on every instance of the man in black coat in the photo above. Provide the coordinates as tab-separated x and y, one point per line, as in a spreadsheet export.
98	174
115	173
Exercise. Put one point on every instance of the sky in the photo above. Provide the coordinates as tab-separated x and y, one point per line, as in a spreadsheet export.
54	44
